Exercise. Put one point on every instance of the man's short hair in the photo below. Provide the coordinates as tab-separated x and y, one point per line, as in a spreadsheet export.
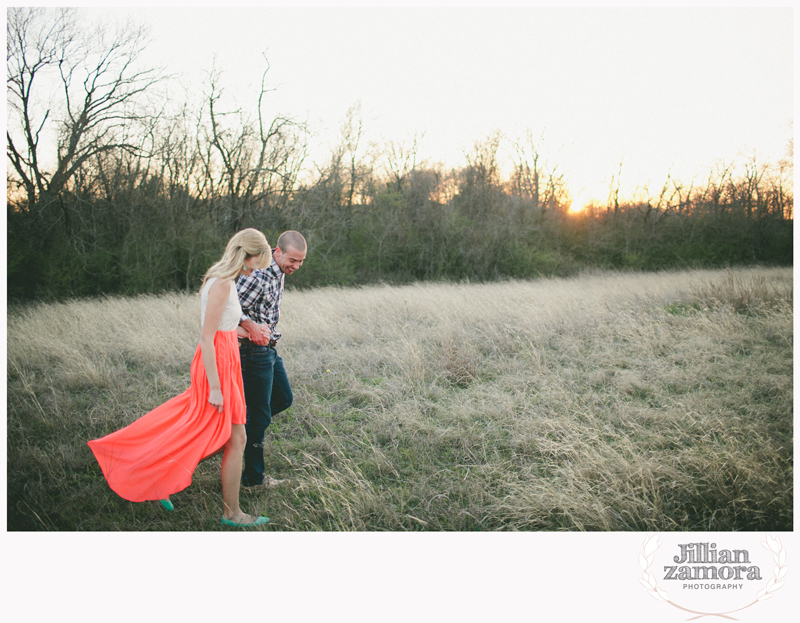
291	239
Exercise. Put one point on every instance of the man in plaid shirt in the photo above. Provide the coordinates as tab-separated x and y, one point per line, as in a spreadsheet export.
267	391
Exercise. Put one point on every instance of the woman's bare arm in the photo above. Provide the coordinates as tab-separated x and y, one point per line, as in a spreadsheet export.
217	298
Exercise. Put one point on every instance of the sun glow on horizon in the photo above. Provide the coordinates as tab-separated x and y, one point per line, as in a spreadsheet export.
583	199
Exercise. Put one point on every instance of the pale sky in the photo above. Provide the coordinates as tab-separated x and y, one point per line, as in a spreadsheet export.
662	90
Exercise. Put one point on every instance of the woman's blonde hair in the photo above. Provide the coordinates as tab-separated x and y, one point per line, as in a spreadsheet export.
242	246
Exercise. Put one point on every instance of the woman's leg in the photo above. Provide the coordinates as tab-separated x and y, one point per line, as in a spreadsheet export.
232	473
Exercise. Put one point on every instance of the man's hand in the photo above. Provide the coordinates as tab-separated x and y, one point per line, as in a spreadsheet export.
257	333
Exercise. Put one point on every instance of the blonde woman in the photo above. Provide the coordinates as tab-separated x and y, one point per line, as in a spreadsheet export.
156	455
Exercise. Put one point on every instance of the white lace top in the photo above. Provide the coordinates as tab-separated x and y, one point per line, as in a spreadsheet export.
232	312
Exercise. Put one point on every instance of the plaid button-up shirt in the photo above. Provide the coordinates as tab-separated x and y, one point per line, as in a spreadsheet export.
260	296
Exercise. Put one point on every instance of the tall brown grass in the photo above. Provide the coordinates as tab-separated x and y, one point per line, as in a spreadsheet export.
602	402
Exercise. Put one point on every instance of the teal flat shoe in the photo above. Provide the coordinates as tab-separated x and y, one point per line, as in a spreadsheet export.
167	504
261	521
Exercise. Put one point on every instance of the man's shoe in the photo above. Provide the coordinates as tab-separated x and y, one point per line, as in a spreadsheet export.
267	483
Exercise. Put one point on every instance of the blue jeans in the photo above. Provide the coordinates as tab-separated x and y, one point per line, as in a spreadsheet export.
266	392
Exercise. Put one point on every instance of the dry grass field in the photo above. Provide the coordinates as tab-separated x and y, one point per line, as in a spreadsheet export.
602	402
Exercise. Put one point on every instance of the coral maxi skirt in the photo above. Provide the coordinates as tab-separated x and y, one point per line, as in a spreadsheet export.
156	455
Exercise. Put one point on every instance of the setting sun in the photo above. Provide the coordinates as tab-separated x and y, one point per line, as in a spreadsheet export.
583	199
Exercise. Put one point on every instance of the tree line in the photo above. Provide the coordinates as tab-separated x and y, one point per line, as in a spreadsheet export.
134	196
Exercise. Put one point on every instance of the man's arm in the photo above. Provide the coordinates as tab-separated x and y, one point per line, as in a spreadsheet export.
250	289
258	333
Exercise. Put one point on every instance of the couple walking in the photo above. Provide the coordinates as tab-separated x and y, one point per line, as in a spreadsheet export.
238	382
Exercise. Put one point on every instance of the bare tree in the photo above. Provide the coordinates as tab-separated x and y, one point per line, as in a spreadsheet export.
713	197
260	160
96	99
613	190
681	197
401	160
533	180
483	163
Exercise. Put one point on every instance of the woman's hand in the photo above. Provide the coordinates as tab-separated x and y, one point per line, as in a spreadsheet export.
215	398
